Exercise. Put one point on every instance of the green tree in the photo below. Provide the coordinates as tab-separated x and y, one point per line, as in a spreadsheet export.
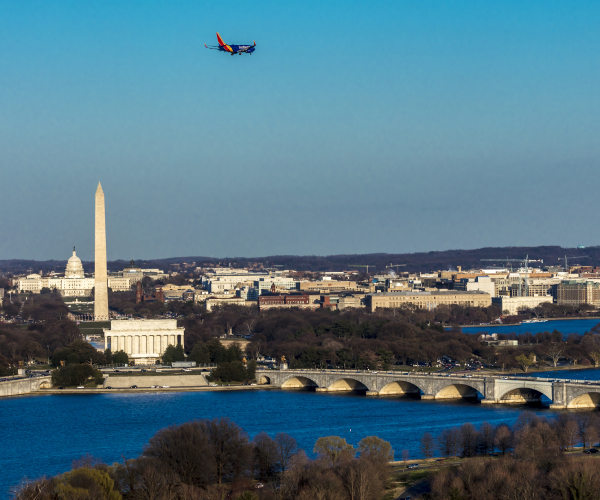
173	353
86	483
234	352
217	351
108	356
120	358
251	369
75	374
200	353
524	362
229	372
333	450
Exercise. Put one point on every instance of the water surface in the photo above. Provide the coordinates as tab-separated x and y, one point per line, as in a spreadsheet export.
44	434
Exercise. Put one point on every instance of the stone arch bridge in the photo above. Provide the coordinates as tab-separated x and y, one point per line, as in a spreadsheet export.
490	389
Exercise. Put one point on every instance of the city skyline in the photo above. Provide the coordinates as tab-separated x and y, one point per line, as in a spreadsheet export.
354	128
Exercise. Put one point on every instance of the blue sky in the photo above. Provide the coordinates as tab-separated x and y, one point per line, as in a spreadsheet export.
355	127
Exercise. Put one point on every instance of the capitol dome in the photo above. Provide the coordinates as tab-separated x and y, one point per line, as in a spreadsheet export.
74	267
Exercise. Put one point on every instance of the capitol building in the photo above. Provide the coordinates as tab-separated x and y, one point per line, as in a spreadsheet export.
72	284
75	284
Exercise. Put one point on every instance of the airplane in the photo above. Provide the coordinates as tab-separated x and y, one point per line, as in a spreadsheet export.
232	49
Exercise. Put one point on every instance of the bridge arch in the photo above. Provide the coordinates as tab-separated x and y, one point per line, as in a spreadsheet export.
347	384
400	387
585	400
522	395
527	393
457	391
263	379
298	382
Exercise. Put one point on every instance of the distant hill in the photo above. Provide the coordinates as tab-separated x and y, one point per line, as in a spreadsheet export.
420	261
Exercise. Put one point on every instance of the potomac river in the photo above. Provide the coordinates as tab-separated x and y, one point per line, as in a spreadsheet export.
44	434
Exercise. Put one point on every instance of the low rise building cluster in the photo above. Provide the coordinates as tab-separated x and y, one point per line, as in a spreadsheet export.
510	290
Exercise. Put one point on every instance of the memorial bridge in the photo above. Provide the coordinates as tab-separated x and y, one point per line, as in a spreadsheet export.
489	389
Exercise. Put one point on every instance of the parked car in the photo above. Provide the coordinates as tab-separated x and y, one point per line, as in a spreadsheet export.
186	370
259	485
165	386
133	387
109	387
154	386
413	466
61	387
80	387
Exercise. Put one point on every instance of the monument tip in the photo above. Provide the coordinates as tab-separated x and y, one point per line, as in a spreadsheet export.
99	190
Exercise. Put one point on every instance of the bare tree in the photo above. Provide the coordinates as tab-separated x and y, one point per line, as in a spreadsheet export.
405	455
487	434
503	439
554	352
361	479
286	449
265	456
427	445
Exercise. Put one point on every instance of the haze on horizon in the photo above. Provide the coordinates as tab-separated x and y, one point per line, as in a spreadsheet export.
355	127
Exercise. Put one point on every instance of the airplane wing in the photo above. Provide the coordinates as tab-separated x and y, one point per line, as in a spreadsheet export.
212	47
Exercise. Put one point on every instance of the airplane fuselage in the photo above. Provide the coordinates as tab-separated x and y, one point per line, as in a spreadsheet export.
237	49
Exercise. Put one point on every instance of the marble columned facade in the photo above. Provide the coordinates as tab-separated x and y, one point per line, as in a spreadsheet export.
144	341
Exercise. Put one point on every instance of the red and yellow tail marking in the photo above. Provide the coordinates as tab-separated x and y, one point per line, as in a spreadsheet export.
223	44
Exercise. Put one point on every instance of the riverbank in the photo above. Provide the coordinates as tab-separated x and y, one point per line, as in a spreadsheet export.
544	320
88	391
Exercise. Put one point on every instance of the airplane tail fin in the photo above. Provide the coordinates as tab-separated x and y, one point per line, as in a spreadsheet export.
220	40
255	43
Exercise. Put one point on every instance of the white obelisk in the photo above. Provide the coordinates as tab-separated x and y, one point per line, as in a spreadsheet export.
101	276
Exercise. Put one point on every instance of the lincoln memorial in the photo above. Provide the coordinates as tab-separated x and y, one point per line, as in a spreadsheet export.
144	340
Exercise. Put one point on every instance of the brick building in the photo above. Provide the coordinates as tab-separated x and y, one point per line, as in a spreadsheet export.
285	300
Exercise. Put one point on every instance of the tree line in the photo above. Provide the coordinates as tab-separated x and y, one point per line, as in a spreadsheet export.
215	459
530	436
358	339
533	461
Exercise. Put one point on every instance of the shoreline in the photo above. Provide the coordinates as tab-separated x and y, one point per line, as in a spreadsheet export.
90	391
521	324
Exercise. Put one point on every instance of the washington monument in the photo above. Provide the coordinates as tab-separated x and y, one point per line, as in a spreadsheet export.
101	277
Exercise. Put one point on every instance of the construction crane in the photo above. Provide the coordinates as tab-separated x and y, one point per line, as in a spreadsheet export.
525	261
363	265
567	260
395	265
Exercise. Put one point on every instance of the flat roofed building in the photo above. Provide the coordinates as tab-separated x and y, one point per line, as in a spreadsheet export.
574	293
286	300
512	305
427	300
144	340
481	283
211	302
326	285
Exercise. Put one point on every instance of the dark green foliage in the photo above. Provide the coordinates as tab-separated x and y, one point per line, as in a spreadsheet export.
75	374
108	356
230	372
76	352
120	358
251	369
173	353
200	354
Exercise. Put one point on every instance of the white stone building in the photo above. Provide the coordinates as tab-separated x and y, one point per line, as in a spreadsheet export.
73	284
512	305
144	340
